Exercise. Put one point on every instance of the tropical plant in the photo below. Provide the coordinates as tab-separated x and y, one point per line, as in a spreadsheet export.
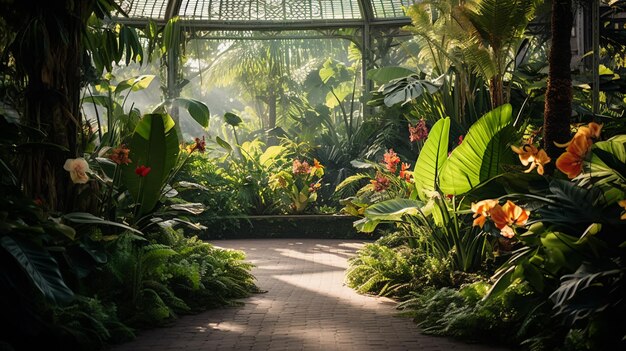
299	186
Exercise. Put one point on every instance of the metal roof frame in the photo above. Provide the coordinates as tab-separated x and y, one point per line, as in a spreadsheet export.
366	8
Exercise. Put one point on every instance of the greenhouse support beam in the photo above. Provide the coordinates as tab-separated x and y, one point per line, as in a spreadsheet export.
270	25
595	42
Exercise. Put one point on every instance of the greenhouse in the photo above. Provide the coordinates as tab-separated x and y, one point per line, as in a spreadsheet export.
313	174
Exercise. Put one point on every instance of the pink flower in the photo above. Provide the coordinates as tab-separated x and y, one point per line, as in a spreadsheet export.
419	132
78	169
300	167
142	171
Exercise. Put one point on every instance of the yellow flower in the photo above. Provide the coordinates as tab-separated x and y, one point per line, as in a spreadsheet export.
78	169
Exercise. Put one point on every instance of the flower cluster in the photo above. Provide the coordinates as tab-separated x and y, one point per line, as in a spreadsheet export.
571	161
391	160
503	216
419	132
300	167
78	168
529	154
380	183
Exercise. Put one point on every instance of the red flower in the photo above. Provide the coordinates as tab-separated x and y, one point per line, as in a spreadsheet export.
380	183
461	137
200	145
419	132
391	160
142	171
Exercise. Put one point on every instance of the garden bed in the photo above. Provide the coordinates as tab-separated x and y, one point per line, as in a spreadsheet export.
293	226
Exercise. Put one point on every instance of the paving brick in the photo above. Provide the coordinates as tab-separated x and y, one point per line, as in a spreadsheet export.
306	307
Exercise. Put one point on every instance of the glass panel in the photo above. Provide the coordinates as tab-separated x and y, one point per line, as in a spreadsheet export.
154	9
390	8
269	10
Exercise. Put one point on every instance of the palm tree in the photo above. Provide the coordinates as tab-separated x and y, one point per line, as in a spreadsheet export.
495	28
262	69
558	106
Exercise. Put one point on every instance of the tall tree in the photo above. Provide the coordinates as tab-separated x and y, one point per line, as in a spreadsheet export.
558	105
49	54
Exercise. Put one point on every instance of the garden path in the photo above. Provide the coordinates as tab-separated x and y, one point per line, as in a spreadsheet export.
306	307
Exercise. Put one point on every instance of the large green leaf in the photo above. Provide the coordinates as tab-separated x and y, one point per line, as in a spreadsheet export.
432	157
386	74
88	218
481	155
271	155
393	210
232	119
607	168
154	144
197	109
41	268
404	90
135	84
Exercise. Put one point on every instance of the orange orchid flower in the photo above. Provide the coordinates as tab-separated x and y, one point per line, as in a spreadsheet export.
404	173
622	203
590	131
571	161
481	211
502	216
529	154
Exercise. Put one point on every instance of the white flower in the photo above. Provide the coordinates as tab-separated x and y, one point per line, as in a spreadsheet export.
78	169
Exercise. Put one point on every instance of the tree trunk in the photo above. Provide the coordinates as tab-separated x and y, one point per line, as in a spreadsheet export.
272	102
558	105
53	73
496	90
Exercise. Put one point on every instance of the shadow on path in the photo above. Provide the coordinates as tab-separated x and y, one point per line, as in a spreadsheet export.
306	307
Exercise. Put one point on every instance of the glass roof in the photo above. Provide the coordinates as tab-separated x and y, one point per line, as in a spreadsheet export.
277	11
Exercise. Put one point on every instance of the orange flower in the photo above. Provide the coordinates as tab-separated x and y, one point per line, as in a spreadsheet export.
530	155
403	172
481	211
317	168
119	155
571	161
590	131
502	216
391	160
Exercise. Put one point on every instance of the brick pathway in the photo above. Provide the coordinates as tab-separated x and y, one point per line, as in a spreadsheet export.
306	307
